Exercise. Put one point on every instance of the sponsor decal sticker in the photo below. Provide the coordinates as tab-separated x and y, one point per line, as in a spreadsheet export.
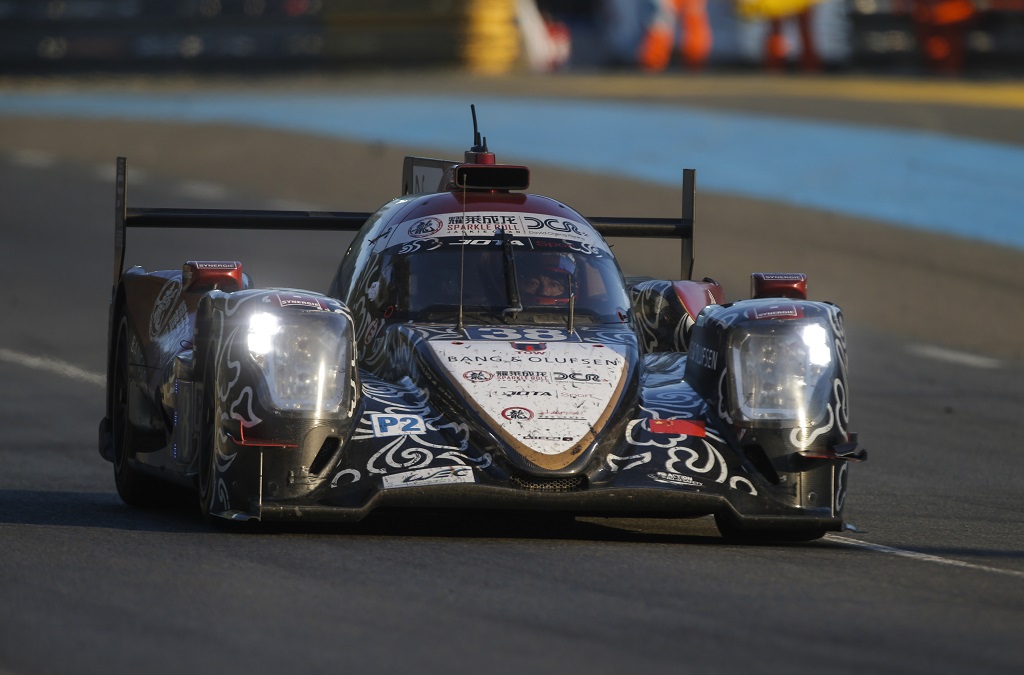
523	376
675	479
397	425
678	427
484	223
427	227
529	346
298	300
703	357
776	312
517	414
532	405
441	475
561	415
577	377
473	227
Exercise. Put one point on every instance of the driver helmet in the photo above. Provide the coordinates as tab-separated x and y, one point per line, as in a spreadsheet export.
545	279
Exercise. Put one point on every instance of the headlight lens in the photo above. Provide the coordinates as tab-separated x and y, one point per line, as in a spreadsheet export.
781	372
304	358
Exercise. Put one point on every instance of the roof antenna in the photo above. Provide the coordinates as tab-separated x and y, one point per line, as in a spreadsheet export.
478	154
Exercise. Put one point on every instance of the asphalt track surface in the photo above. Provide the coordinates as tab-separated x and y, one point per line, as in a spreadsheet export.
932	582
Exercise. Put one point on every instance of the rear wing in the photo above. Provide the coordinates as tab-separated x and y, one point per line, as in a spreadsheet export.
419	176
225	219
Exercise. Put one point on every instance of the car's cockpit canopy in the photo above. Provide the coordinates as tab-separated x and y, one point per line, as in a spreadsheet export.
500	279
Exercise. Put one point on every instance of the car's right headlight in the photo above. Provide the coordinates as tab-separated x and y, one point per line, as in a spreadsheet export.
305	359
781	372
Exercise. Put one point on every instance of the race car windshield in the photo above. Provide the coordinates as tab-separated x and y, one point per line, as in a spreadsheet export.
425	283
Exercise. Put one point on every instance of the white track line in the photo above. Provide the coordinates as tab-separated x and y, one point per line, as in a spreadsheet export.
108	172
62	368
925	557
33	159
952	356
73	372
293	205
201	189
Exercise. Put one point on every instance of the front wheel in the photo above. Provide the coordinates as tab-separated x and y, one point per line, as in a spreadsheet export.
207	478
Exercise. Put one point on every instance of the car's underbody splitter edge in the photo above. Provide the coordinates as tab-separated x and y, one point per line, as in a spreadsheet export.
628	502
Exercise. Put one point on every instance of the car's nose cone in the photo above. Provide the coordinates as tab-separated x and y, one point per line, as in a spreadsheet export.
547	400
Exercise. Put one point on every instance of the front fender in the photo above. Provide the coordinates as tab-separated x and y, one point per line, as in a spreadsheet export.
279	380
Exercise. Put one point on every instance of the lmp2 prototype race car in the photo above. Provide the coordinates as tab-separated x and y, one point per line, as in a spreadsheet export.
478	349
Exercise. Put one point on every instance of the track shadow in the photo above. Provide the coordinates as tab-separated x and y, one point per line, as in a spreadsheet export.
106	510
92	509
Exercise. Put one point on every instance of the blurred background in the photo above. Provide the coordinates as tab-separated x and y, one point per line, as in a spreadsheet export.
975	38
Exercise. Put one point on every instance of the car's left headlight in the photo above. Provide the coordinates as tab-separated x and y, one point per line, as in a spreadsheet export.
304	358
781	372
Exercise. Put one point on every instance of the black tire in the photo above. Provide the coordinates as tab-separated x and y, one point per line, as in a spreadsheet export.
134	487
207	478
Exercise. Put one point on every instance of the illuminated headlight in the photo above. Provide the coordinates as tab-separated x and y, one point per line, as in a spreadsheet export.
304	359
781	372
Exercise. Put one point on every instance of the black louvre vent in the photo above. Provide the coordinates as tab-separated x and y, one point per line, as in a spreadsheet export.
560	484
327	450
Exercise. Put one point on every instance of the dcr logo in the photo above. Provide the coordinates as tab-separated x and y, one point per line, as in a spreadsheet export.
578	377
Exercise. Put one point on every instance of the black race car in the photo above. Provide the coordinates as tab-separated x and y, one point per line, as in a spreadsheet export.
478	348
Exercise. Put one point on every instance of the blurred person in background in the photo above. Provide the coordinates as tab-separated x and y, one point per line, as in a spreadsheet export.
776	50
646	33
941	27
547	42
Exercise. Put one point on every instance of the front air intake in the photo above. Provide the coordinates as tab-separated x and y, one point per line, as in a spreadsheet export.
557	484
325	454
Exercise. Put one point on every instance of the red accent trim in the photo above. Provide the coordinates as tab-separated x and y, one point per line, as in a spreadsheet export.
205	275
241	440
480	157
696	295
778	285
681	427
